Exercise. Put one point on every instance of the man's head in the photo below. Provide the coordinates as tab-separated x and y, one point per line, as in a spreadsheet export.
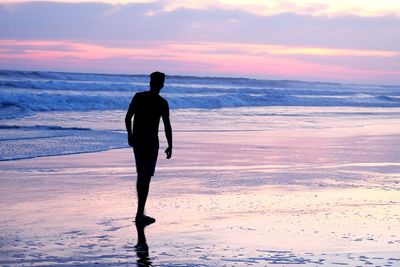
157	81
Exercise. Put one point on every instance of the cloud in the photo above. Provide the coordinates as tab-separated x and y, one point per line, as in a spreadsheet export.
267	8
176	50
208	58
201	41
131	22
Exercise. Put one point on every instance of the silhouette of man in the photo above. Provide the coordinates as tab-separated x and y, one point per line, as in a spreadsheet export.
147	108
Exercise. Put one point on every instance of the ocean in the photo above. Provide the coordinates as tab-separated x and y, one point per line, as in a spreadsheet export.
56	113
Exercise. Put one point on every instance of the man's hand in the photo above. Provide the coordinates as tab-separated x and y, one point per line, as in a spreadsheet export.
168	151
130	140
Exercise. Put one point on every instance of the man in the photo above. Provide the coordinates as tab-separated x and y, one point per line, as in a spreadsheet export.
147	108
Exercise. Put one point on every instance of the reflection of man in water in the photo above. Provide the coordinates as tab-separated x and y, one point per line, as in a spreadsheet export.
147	108
141	248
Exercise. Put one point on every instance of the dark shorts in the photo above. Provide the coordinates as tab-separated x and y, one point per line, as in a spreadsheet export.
146	159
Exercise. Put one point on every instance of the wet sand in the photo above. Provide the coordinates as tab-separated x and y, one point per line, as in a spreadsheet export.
283	199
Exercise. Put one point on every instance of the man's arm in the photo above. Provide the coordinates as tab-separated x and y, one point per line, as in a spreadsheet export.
128	122
168	135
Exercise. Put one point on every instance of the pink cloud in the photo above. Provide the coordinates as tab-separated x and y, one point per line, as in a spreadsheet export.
213	58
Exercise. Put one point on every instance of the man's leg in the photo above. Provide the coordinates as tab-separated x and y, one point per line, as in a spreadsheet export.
142	187
146	158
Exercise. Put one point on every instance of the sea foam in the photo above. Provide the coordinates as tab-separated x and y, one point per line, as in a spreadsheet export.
23	92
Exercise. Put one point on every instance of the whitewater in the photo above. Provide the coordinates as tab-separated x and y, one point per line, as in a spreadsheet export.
56	113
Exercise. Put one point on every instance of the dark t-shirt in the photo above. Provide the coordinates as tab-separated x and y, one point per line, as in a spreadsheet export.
148	108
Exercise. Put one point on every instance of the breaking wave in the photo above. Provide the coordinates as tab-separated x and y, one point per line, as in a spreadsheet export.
24	92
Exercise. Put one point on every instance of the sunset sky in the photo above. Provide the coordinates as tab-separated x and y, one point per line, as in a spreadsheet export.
342	40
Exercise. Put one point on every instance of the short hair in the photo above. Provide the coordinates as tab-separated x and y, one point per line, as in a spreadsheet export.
157	77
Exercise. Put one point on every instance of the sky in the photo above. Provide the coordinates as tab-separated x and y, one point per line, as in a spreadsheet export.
343	40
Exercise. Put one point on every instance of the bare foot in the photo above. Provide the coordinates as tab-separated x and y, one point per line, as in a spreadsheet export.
143	219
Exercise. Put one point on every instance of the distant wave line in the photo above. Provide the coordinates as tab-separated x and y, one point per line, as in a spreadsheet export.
44	127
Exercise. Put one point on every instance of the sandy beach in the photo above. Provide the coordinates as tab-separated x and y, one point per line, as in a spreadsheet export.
299	198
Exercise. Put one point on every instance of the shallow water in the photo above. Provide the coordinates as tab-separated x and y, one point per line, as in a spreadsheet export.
66	132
